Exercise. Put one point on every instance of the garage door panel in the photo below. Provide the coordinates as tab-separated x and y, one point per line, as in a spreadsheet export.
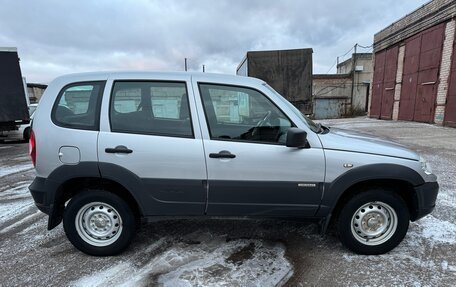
430	59
413	46
377	84
420	75
391	64
389	82
412	55
408	95
428	76
426	91
432	38
376	100
424	105
412	64
379	67
387	101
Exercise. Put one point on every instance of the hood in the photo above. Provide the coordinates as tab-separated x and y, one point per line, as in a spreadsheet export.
340	139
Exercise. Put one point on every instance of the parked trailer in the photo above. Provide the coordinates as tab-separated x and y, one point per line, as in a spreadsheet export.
13	95
289	72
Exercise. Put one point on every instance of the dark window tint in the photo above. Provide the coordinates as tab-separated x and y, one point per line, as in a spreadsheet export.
159	108
243	114
78	106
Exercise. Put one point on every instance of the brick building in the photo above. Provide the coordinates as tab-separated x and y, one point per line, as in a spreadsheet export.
415	67
344	93
35	91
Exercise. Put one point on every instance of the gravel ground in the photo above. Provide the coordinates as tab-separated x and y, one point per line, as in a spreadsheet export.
233	252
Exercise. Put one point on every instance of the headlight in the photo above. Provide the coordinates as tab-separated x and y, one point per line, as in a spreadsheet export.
425	166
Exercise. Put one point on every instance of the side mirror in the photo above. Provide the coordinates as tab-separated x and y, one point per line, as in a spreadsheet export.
296	138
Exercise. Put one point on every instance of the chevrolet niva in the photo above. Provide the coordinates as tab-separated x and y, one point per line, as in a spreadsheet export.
111	149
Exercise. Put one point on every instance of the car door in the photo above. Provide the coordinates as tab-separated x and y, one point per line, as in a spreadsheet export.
150	142
250	170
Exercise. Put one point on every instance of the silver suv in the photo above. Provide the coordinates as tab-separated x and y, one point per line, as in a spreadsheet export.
112	148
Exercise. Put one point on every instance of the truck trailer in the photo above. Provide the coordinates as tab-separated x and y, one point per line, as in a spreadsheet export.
289	72
13	93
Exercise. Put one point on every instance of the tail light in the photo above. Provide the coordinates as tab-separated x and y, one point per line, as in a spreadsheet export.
32	147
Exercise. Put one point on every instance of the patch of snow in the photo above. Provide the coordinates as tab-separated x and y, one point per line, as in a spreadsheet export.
105	276
14	202
20	222
210	263
4	171
437	230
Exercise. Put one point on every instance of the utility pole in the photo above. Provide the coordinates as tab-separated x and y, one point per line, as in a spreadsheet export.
353	77
204	69
185	64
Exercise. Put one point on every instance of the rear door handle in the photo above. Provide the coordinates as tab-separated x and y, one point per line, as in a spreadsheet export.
222	154
118	149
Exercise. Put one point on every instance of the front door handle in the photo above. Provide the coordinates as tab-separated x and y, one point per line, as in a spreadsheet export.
118	149
222	154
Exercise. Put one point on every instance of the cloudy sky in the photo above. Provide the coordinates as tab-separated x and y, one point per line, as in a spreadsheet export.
57	37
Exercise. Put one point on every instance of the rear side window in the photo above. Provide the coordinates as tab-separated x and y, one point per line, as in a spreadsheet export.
146	107
78	106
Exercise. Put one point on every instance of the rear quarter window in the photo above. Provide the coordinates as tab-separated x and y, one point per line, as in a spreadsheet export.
78	106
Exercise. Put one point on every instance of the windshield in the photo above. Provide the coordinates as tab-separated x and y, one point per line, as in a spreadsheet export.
313	126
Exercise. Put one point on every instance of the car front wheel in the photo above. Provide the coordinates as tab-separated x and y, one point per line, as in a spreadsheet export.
99	223
373	222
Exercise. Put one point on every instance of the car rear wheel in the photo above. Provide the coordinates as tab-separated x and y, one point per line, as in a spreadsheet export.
373	222
99	223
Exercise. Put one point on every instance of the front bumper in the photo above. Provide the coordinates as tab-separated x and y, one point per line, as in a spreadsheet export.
425	197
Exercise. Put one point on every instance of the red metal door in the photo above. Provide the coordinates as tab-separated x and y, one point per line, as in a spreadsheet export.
389	82
450	107
426	93
410	78
420	76
430	55
377	84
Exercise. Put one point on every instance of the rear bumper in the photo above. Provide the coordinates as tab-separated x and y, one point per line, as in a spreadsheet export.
425	196
41	195
43	192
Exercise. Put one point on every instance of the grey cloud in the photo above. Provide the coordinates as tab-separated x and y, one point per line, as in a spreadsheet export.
55	37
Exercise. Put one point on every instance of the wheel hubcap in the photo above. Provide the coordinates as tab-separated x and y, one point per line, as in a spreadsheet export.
374	223
98	224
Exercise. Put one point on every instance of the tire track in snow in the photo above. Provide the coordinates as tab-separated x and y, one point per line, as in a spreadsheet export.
207	263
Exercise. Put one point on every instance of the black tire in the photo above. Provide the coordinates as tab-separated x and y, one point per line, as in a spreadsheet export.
373	222
105	214
26	134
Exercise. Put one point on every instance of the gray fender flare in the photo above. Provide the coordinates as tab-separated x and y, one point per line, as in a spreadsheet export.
334	190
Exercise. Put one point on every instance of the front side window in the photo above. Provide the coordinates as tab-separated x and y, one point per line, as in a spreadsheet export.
243	114
78	106
144	107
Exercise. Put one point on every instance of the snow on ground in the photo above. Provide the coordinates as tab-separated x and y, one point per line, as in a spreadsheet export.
214	262
15	202
236	253
7	170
